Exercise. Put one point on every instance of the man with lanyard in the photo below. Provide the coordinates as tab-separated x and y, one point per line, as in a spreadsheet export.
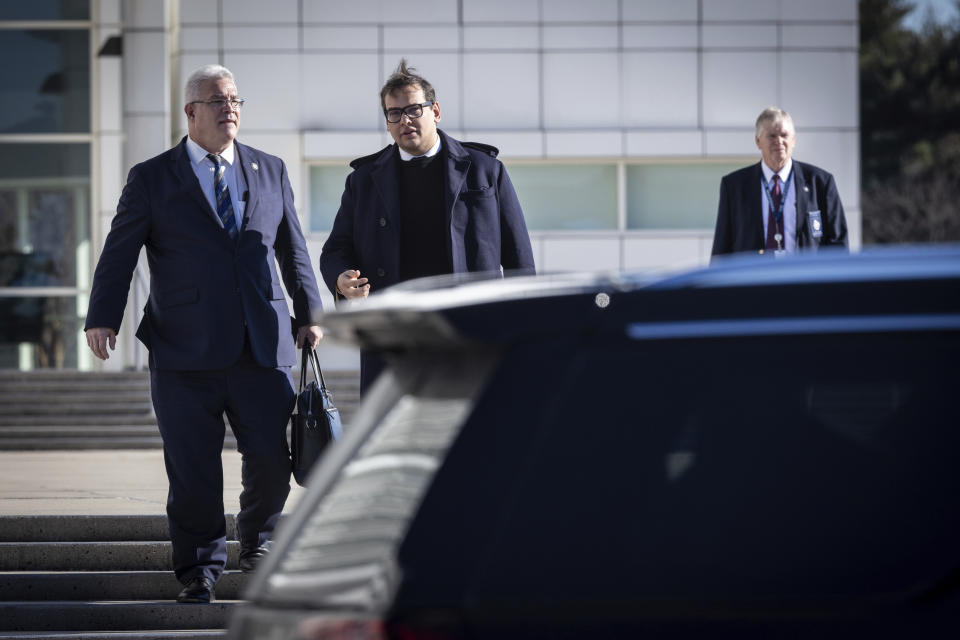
797	209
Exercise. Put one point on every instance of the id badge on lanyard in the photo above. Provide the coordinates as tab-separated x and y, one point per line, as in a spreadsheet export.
778	212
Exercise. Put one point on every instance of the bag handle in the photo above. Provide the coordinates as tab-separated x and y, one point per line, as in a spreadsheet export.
311	353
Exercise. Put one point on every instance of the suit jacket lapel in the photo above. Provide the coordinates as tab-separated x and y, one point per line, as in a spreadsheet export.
384	177
457	165
754	207
250	165
803	204
189	183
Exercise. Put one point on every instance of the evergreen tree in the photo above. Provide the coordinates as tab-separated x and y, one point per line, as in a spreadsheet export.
910	130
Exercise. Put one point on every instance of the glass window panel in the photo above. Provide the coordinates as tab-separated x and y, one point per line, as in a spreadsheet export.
46	10
47	90
39	332
326	188
675	196
44	213
566	196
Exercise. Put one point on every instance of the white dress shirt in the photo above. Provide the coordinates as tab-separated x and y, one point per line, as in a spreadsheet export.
204	169
434	150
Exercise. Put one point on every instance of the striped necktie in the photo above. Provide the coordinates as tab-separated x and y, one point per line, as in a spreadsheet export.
222	193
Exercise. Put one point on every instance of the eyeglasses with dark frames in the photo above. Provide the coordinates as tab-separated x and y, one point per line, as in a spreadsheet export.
235	104
412	111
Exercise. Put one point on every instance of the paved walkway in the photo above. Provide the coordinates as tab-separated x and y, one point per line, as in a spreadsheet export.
100	483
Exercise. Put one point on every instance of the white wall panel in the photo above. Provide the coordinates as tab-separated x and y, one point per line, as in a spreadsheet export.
286	38
740	36
584	144
820	89
144	14
643	10
512	144
593	11
662	252
580	37
199	12
665	143
501	91
501	11
580	253
141	91
269	82
843	36
660	36
341	144
660	89
746	10
339	91
737	86
345	38
200	39
416	38
592	102
327	12
518	38
739	142
840	10
259	12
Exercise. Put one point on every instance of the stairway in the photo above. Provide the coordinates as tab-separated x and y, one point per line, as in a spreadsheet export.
102	577
59	409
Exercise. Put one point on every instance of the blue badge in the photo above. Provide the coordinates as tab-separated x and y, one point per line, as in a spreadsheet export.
816	224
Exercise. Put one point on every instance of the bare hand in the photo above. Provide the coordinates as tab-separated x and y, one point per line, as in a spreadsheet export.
351	285
97	340
309	333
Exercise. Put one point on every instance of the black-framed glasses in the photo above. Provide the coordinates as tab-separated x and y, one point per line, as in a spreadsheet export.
235	104
412	111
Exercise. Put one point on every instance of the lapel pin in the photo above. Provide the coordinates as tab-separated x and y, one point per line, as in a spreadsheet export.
805	187
254	166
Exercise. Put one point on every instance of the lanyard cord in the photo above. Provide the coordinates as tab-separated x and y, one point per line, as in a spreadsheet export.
778	212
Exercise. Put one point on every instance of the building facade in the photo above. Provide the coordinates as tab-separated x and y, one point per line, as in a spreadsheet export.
615	118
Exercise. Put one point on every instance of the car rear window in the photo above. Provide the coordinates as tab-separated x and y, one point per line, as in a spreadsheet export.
803	466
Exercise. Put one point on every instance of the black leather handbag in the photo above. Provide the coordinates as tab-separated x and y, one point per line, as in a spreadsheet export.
315	422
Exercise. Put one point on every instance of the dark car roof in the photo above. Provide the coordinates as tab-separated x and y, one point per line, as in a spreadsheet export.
828	285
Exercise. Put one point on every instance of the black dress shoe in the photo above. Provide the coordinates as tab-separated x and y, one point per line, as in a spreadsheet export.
250	557
198	590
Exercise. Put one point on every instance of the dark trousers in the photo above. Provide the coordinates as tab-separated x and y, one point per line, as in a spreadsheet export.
190	406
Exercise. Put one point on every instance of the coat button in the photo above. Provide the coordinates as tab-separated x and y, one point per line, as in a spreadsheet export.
383	222
381	272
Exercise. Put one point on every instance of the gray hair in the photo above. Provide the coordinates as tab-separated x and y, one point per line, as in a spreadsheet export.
198	80
771	115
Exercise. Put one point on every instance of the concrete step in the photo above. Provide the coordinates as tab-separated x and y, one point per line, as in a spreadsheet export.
54	528
16	407
69	431
106	585
94	556
61	418
109	616
149	634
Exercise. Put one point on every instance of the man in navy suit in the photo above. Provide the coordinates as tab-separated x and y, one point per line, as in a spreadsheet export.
427	205
778	206
216	218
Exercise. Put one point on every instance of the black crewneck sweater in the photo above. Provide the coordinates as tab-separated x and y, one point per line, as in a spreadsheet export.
423	221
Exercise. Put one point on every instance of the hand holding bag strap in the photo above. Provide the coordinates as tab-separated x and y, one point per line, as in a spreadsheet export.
317	371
